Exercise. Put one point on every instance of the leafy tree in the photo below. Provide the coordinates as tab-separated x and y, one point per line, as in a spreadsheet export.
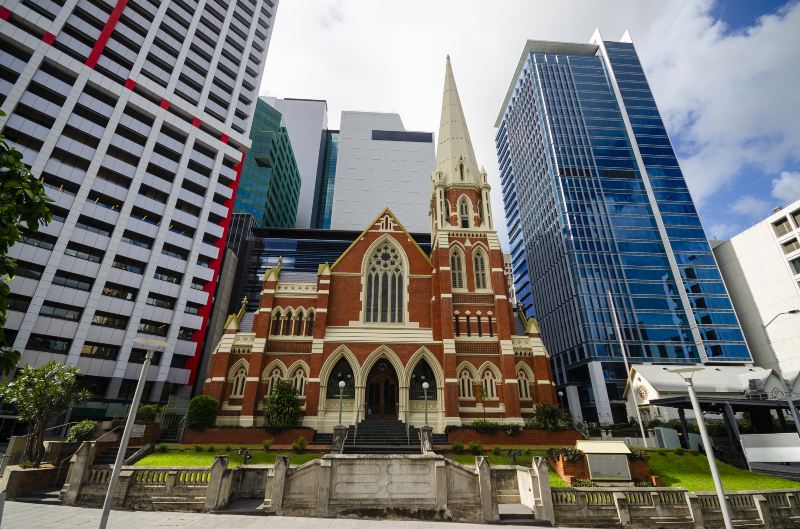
39	395
202	412
82	431
549	417
282	406
148	412
22	200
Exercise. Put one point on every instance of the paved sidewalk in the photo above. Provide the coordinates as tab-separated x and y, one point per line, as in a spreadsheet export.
19	515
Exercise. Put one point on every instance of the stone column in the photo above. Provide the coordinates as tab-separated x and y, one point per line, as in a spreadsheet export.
696	509
440	468
339	437
764	512
214	499
324	497
425	436
544	507
489	510
621	503
79	465
281	470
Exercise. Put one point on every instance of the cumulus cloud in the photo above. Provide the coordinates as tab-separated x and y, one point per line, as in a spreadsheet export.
750	206
787	186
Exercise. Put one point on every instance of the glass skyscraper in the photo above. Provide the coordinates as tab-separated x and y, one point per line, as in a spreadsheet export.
323	202
596	202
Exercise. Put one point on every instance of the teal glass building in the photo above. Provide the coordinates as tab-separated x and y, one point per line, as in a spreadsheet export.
326	178
596	202
269	186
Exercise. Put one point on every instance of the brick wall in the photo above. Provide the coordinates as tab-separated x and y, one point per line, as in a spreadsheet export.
245	436
525	437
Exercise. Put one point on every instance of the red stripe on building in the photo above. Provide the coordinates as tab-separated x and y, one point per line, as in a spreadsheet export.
5	13
48	38
130	84
102	39
205	311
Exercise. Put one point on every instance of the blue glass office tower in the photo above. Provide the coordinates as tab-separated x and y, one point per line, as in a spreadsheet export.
596	201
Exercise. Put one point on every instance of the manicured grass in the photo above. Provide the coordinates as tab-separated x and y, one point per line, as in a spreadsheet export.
190	458
524	459
692	472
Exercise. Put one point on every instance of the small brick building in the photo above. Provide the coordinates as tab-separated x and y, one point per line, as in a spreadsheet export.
385	318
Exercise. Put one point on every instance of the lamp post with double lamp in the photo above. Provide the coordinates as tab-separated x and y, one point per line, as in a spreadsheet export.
786	390
425	387
151	345
686	373
341	396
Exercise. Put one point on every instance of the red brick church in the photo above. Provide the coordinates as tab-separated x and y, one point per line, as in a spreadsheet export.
385	318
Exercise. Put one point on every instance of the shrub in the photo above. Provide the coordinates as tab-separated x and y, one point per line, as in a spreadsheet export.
571	455
198	448
528	452
638	454
512	429
299	446
163	449
474	447
266	444
695	452
83	431
458	447
642	484
549	417
211	449
496	451
452	428
484	426
202	412
227	448
662	452
282	406
583	483
679	451
147	412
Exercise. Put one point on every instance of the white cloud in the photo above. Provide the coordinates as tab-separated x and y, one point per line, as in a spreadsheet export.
750	206
724	94
722	231
787	186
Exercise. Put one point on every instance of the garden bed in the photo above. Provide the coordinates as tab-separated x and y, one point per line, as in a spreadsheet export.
189	456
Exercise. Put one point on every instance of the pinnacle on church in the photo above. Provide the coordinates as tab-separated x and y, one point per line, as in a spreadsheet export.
455	157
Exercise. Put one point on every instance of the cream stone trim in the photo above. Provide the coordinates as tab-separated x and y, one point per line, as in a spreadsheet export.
216	379
231	407
324	281
321	310
512	381
498	296
447	295
251	379
375	334
451	381
268	291
312	380
543	382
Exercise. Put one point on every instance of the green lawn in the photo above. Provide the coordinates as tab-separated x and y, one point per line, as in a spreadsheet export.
523	459
190	458
692	472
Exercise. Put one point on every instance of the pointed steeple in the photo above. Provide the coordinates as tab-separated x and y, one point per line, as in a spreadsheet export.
454	154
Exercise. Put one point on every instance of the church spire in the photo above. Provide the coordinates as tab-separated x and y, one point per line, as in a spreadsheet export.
455	158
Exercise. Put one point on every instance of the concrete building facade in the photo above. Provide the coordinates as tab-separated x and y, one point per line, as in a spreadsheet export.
135	114
761	268
379	162
387	317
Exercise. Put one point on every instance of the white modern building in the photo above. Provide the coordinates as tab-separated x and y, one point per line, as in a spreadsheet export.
136	116
306	121
761	268
381	164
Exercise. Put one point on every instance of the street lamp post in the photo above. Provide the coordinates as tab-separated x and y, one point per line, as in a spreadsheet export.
151	345
786	390
425	387
686	373
341	395
561	398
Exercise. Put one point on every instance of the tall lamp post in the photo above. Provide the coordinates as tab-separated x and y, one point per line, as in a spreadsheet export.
341	395
425	387
786	390
686	373
151	345
627	369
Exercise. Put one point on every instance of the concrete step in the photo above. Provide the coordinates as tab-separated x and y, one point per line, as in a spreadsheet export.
42	497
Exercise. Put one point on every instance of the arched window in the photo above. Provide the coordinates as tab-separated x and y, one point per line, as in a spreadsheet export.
524	385
310	323
299	381
489	384
298	324
422	373
457	324
384	300
461	170
456	268
469	325
465	386
272	380
447	210
238	381
491	326
478	320
276	323
288	320
341	371
479	267
464	212
480	211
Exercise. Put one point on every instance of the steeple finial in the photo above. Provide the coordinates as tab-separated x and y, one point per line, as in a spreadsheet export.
455	157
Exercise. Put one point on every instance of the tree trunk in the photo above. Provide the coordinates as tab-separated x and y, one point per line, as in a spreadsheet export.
34	449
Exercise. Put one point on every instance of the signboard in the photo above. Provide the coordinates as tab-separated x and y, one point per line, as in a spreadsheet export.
137	431
609	466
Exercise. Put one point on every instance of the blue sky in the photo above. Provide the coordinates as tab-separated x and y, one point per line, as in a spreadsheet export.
725	74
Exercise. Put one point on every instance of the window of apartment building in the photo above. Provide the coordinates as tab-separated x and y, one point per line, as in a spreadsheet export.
185	333
795	264
175	251
115	290
131	265
136	239
790	246
29	270
153	327
106	319
157	300
168	275
60	311
796	218
50	344
137	356
782	227
18	302
84	252
67	279
101	351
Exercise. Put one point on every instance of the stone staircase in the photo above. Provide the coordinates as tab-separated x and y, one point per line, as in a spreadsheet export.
385	436
108	458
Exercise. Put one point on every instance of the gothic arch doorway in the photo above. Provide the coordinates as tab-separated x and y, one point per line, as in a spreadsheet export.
382	391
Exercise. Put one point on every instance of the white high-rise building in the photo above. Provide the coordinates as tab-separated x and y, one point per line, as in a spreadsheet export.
306	121
761	268
135	113
380	163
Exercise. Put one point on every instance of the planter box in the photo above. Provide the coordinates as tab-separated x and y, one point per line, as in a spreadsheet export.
17	481
245	436
570	470
525	437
